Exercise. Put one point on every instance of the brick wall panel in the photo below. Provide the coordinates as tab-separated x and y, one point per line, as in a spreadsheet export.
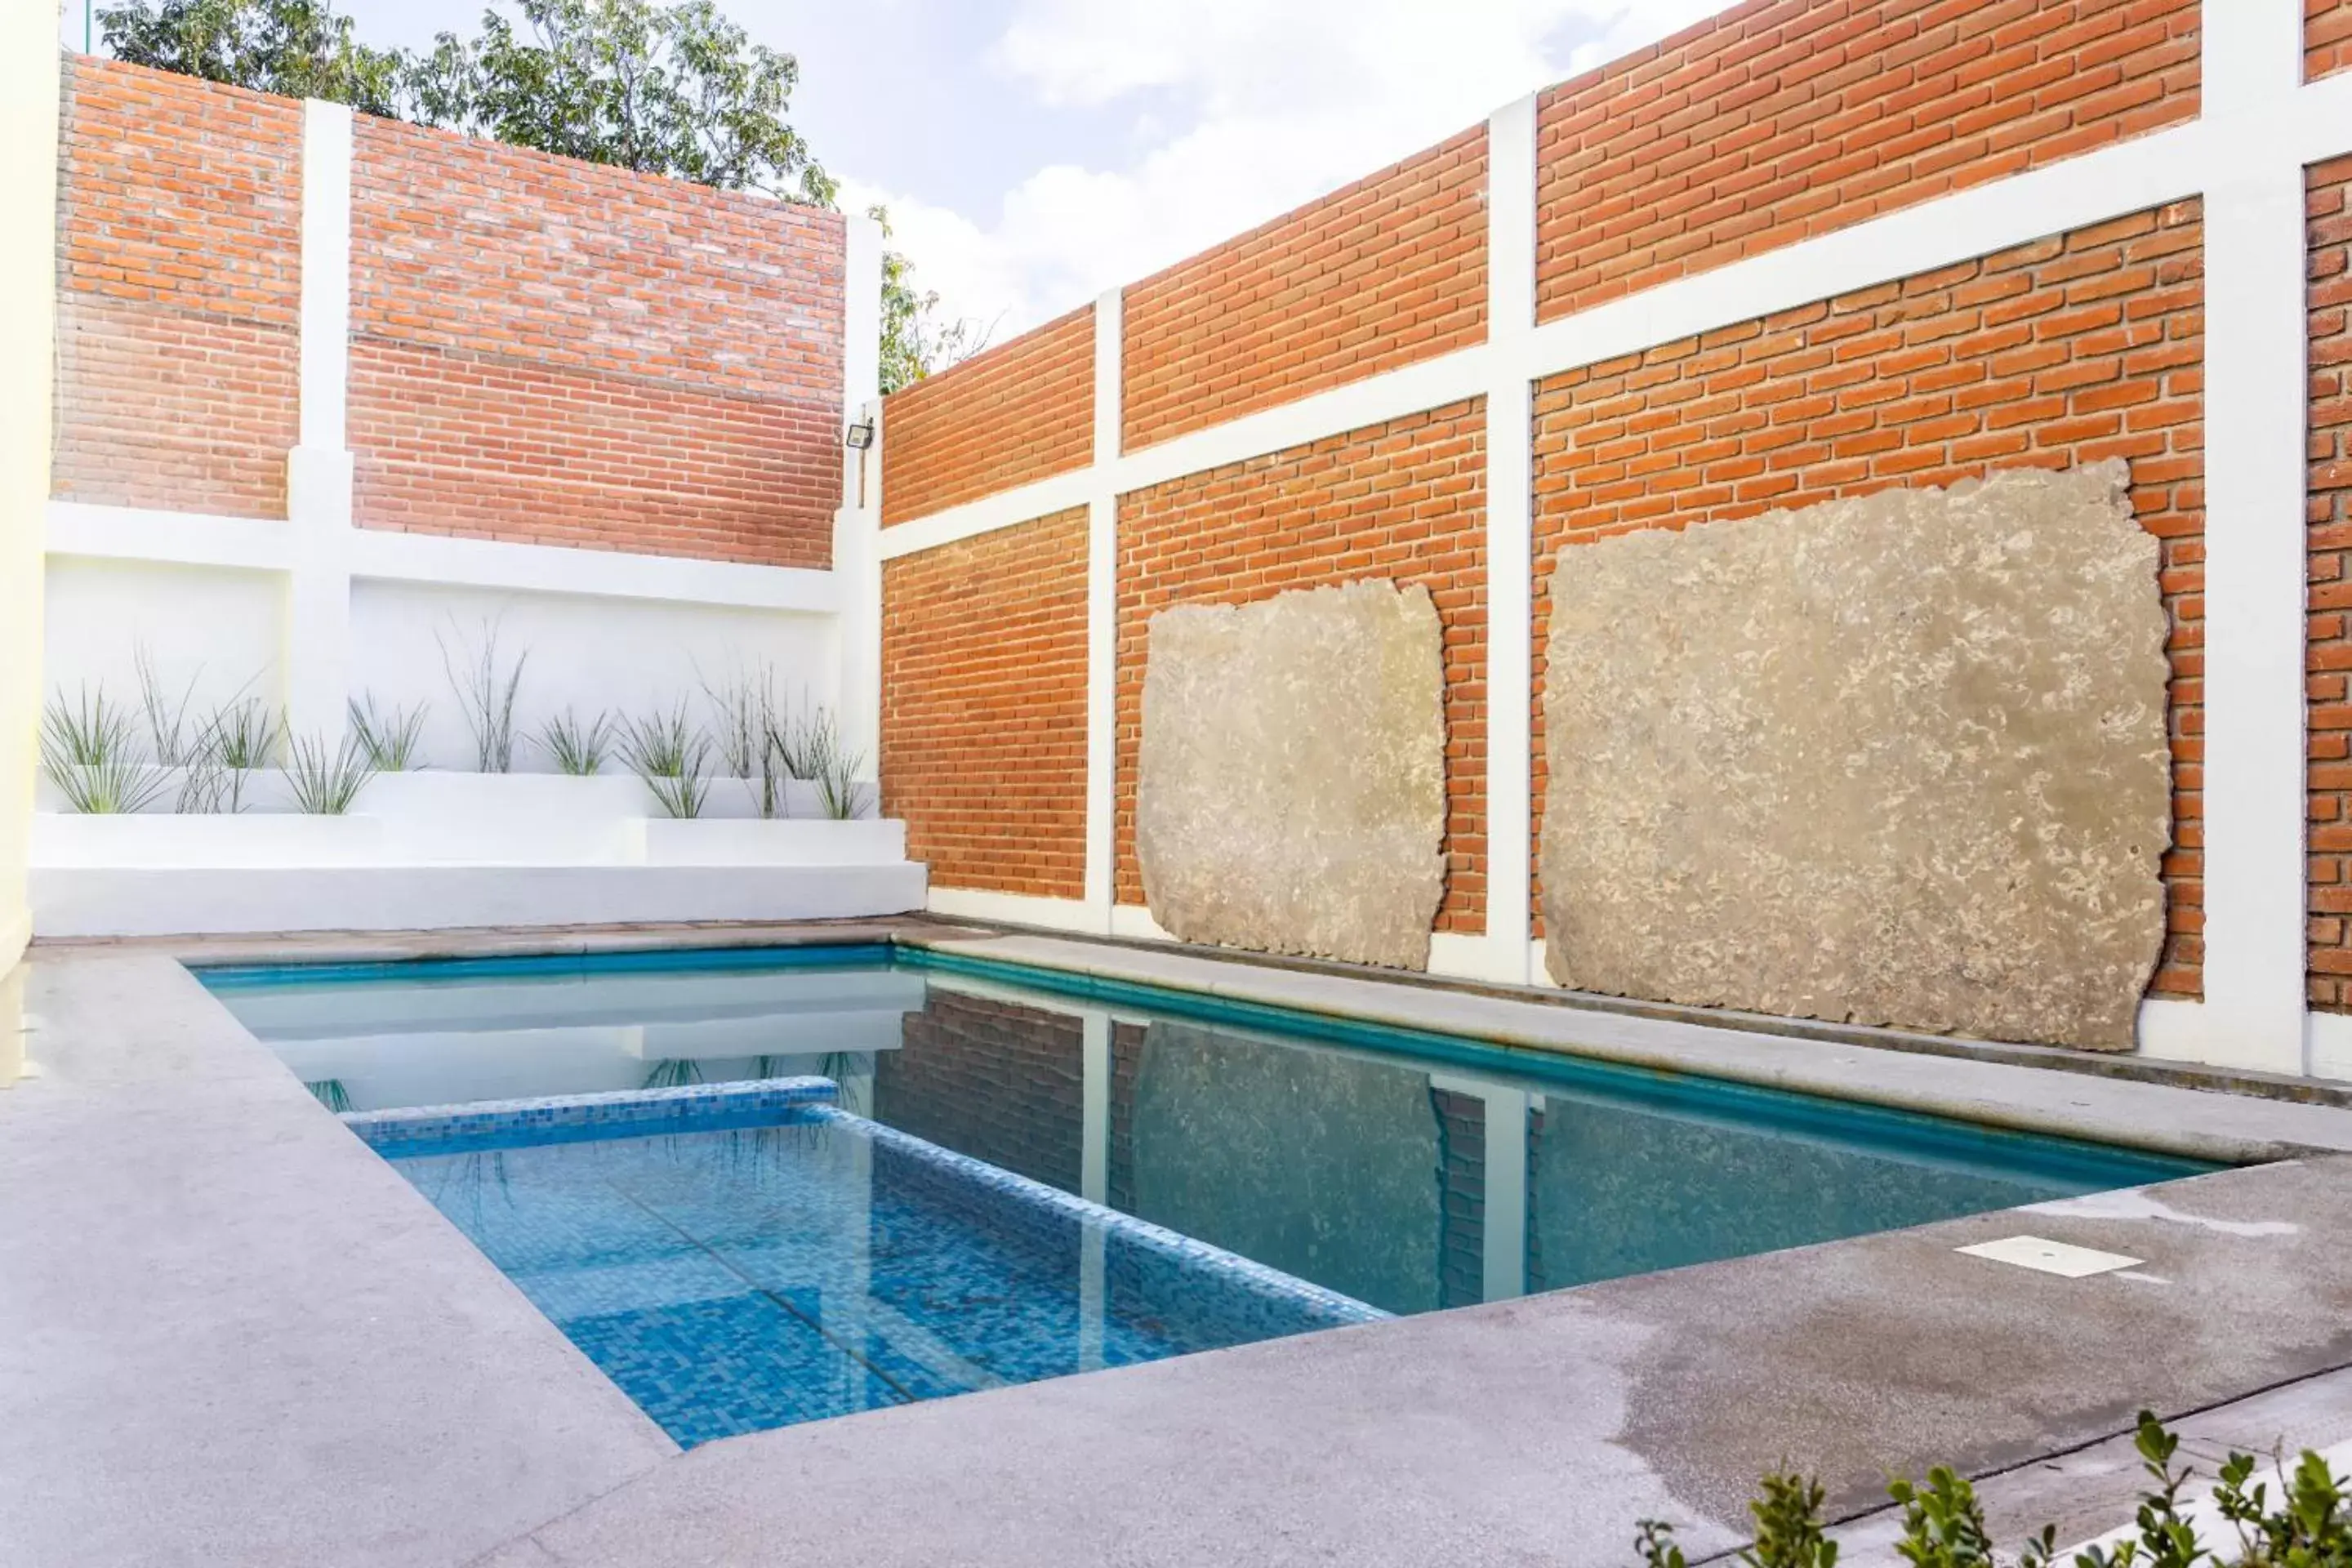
179	292
2326	38
2070	350
547	350
1405	500
486	446
1780	119
984	707
994	1080
1021	412
2328	648
1388	271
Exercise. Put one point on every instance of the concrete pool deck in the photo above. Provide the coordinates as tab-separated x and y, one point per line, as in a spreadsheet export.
230	1333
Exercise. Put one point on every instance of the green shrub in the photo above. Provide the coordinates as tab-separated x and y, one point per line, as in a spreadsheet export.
390	738
89	749
577	746
670	754
1943	1524
324	781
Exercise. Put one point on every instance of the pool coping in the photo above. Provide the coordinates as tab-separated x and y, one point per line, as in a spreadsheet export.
2159	1118
921	930
2199	1117
1522	1430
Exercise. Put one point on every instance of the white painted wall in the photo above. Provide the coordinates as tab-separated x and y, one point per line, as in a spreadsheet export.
310	611
211	631
28	251
590	654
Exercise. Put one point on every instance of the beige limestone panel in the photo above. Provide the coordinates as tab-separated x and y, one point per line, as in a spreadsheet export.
1290	793
1893	760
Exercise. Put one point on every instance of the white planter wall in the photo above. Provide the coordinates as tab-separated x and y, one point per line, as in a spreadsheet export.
70	842
590	654
505	819
430	849
171	901
220	628
720	842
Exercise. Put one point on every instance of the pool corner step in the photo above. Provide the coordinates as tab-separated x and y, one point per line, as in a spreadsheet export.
612	1113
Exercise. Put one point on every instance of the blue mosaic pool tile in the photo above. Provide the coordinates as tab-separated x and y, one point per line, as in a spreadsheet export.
626	1112
1051	1212
721	1367
742	1278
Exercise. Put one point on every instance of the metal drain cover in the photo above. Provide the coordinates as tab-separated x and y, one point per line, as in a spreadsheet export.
2062	1259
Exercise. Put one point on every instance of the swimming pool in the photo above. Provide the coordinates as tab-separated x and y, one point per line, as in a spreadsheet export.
1013	1173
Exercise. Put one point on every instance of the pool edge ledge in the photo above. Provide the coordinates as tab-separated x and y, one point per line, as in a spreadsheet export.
1609	1037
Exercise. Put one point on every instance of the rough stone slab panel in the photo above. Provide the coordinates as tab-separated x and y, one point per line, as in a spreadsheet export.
1290	795
1895	760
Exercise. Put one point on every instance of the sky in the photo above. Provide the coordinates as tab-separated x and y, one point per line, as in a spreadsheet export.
1035	153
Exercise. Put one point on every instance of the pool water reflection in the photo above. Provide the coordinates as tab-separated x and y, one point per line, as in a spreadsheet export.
1409	1182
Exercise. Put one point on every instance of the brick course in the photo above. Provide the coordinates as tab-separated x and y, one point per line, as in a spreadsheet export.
551	350
984	707
2326	38
2070	350
1405	500
1022	411
1387	271
179	292
2328	630
1780	119
994	1080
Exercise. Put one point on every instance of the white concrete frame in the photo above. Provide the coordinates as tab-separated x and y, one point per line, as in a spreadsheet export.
319	551
1503	1220
2257	128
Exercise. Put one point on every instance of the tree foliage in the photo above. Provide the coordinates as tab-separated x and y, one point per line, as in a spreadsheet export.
672	89
667	89
675	90
298	48
915	341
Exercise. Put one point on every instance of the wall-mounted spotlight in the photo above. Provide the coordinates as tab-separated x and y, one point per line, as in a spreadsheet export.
858	436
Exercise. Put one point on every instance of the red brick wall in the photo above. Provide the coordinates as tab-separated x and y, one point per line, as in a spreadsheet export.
179	292
1784	119
1022	411
2081	347
2326	38
984	707
1405	500
1389	270
561	352
2328	649
995	1080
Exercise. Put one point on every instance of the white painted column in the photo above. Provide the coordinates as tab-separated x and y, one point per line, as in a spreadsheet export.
1505	1249
1094	1179
1102	619
1510	326
1503	1218
847	1314
1094	1114
858	524
2254	571
319	477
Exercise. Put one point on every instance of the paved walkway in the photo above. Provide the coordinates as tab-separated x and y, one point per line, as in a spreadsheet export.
230	1333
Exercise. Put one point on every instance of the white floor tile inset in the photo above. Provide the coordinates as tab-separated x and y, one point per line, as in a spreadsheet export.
2062	1259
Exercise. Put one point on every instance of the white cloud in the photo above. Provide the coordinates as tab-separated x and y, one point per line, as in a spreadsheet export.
1258	105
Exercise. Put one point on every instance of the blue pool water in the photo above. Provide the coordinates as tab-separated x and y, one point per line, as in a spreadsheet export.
808	1264
1025	1174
